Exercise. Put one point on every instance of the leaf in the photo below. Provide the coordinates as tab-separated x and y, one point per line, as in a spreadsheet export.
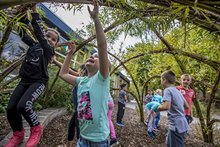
207	18
185	15
180	8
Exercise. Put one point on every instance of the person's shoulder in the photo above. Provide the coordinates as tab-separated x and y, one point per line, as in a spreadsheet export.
171	90
191	90
168	89
81	79
100	77
179	87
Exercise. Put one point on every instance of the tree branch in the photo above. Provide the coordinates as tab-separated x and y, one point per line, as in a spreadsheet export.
170	48
11	68
112	88
132	78
125	61
214	64
9	81
109	28
212	96
214	120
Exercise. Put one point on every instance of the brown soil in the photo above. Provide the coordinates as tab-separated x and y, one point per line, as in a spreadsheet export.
4	126
133	134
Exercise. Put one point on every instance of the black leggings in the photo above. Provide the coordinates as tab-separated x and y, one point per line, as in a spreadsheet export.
73	124
21	103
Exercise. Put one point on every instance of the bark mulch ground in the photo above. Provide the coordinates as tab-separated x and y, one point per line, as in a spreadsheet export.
133	134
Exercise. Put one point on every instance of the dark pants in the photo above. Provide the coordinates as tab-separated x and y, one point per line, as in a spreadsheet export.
73	124
175	139
21	104
121	111
189	118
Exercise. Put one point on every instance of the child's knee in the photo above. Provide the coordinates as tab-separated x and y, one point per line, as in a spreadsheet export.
23	107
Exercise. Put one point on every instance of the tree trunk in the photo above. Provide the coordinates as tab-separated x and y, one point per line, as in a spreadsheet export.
201	118
138	98
141	113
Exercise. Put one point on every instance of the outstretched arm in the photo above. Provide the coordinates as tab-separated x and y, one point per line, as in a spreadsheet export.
64	71
59	64
101	41
21	11
39	32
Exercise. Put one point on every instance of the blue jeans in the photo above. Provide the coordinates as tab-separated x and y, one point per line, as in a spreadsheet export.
175	139
86	143
157	120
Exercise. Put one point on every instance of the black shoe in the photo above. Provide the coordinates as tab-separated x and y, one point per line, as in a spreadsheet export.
113	142
150	134
154	134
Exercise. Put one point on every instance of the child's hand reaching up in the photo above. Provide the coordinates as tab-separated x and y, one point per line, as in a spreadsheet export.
71	47
94	13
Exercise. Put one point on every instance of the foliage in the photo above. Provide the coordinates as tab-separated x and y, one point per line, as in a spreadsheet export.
198	41
61	93
4	98
4	102
203	109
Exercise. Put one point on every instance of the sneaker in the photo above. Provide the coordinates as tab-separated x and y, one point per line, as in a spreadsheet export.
120	124
35	135
150	134
113	142
154	134
16	139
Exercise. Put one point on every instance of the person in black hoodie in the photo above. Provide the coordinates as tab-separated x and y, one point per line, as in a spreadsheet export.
34	77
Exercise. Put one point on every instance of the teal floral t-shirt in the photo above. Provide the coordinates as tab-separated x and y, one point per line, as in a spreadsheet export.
92	107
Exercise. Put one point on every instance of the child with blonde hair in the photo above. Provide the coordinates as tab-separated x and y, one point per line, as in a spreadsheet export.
188	93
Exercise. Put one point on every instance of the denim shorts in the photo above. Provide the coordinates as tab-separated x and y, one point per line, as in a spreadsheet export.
86	143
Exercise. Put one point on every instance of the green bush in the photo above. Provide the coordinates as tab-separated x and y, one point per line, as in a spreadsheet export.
60	95
4	102
4	98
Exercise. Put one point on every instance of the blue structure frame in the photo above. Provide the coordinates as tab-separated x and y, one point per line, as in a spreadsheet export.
53	21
